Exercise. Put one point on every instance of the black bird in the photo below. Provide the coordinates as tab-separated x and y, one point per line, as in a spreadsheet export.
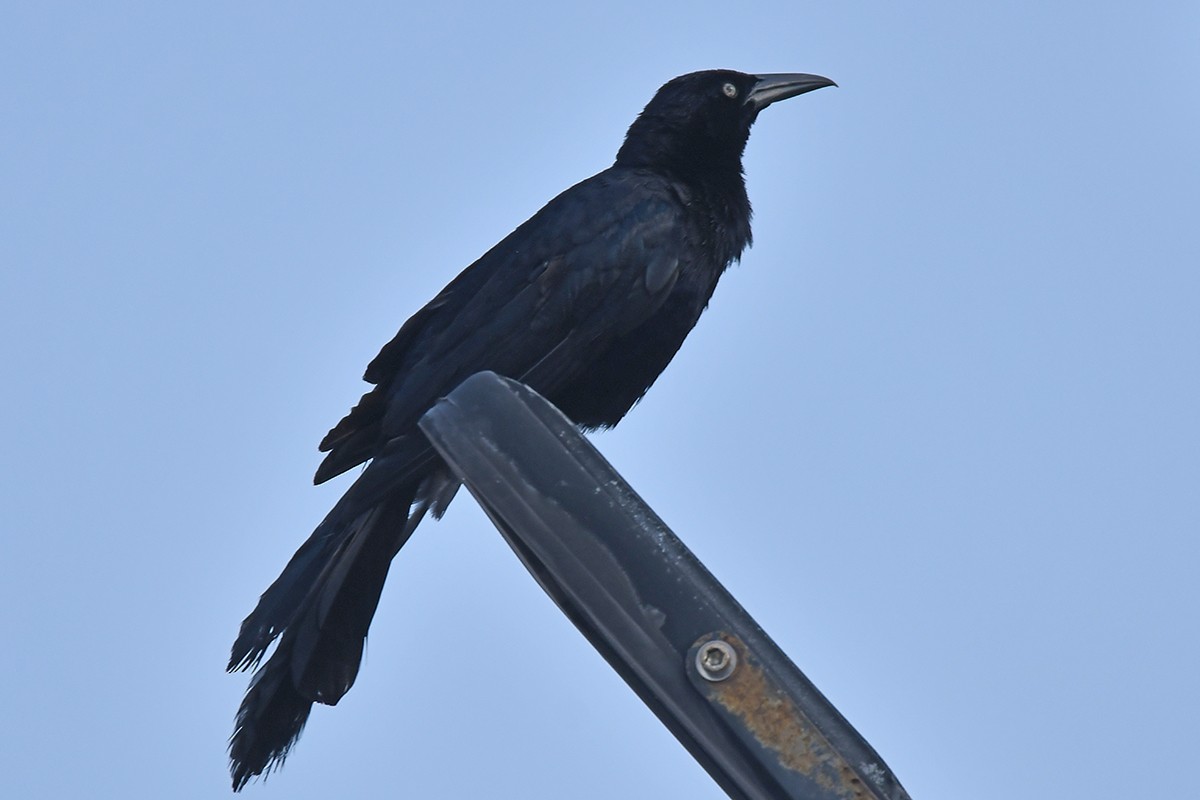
586	303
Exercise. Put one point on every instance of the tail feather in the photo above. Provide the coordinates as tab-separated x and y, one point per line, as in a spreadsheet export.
321	647
279	603
410	462
329	635
320	608
269	721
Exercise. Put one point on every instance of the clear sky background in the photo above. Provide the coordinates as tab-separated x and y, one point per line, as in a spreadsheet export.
938	432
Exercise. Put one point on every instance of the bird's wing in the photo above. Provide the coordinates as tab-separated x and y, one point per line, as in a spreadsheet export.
592	265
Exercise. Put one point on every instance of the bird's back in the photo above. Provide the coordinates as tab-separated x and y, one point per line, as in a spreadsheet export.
587	301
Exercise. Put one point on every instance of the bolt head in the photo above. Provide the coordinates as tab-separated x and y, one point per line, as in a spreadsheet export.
716	660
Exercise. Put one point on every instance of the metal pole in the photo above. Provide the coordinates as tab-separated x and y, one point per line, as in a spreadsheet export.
664	623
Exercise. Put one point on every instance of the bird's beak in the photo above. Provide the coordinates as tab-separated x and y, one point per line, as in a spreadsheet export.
776	87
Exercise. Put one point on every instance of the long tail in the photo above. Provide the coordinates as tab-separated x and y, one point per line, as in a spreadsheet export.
321	606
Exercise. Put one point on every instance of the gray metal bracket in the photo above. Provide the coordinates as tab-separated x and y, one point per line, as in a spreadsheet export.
745	712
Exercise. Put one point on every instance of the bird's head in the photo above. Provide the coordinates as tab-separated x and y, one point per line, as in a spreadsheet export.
699	122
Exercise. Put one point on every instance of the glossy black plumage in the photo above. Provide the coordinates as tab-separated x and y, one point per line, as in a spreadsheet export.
586	302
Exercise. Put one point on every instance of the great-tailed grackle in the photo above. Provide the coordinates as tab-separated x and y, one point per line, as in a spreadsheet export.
586	302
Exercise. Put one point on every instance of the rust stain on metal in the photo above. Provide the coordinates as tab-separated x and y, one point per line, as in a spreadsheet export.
780	727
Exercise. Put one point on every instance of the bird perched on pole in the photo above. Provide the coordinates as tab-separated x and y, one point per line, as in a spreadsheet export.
586	303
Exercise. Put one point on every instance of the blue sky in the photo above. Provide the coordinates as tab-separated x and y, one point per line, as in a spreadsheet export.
938	432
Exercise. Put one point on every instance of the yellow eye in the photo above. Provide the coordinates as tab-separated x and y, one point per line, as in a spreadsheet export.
730	90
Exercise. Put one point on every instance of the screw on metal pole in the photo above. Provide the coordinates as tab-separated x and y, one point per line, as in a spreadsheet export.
715	660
